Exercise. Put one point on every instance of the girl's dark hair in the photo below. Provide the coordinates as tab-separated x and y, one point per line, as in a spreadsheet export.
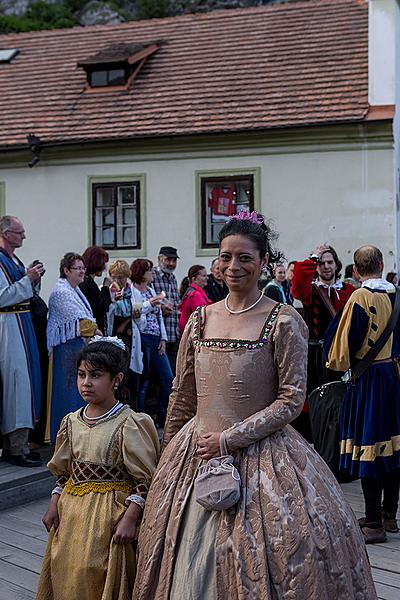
107	357
95	259
68	261
186	281
261	234
138	268
336	259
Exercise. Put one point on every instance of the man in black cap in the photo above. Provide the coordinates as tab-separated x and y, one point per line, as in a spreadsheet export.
165	281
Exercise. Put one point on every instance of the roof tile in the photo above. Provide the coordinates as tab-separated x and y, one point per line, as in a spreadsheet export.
280	65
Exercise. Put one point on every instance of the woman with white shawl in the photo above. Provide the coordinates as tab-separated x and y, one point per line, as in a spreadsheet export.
70	323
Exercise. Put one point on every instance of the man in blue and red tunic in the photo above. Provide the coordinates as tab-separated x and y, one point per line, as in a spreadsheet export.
370	413
317	284
19	356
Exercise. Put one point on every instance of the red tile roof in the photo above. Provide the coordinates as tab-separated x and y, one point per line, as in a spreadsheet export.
281	65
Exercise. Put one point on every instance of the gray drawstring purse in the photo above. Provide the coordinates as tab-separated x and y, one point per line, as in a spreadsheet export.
217	485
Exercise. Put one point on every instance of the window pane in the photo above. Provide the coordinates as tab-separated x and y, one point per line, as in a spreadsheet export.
104	196
127	194
221	199
98	78
116	77
127	236
104	236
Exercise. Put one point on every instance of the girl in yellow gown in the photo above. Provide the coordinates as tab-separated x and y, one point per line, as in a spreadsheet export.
104	459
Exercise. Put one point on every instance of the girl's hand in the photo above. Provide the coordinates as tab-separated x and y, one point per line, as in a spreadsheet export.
162	347
208	445
125	529
51	518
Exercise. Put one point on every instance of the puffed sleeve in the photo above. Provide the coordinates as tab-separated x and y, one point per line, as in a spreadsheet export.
140	451
60	463
289	340
183	399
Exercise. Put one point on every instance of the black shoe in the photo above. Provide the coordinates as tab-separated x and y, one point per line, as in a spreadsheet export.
24	461
34	455
5	456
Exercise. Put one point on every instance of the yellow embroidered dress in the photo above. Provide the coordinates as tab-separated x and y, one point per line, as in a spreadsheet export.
98	465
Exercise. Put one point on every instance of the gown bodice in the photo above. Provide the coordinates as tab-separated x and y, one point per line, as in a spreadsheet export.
234	378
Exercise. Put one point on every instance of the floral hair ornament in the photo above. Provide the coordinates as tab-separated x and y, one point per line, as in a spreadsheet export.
109	340
244	215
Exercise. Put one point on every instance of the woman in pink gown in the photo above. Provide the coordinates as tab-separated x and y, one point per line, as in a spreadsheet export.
241	380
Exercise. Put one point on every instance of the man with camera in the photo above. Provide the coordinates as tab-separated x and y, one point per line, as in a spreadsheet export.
20	384
317	284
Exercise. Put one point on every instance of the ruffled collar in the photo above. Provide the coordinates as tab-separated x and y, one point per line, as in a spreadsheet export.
378	284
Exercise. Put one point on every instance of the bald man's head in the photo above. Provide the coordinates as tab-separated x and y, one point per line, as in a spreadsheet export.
368	260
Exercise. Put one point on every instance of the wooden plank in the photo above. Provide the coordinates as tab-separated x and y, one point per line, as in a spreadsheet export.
383	558
10	591
24	542
17	575
386	577
23	526
386	592
26	560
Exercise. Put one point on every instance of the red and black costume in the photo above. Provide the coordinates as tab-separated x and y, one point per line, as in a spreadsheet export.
316	314
307	288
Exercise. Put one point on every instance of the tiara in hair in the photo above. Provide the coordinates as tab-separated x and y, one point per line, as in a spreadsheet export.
109	340
244	215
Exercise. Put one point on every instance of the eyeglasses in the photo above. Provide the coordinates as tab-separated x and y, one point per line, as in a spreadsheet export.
16	232
78	269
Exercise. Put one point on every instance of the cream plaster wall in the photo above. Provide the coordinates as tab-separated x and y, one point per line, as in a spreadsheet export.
381	51
343	197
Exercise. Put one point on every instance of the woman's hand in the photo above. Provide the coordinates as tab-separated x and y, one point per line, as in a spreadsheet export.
51	518
208	445
162	347
156	300
125	529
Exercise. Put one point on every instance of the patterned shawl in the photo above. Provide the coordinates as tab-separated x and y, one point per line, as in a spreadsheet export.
67	306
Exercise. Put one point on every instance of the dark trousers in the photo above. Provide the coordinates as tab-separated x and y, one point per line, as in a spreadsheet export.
373	488
172	352
159	365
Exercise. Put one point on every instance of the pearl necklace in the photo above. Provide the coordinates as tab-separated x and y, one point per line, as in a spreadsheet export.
243	310
107	414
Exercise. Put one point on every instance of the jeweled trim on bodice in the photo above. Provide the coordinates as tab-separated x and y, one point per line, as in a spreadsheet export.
198	341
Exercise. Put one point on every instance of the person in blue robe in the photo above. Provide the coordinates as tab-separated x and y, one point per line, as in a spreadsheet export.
20	392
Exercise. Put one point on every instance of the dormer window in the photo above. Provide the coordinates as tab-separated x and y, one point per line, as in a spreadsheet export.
116	65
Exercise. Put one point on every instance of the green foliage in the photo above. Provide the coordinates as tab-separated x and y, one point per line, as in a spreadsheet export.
151	9
39	15
11	24
49	16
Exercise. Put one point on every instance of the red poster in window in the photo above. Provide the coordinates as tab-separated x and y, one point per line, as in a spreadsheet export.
222	201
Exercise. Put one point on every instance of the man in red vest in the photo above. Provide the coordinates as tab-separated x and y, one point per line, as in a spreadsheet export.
317	284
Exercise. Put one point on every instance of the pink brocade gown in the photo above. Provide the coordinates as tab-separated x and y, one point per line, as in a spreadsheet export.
292	536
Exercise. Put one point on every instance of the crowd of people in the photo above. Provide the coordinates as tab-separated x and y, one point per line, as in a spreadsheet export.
230	358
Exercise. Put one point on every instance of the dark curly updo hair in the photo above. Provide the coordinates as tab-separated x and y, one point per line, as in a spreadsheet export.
261	234
107	357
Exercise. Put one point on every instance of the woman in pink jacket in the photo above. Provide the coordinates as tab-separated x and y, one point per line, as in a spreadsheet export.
192	294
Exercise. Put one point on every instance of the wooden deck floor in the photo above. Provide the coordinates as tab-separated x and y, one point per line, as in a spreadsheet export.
23	540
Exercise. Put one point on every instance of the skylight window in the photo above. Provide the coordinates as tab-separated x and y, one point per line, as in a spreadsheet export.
7	54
